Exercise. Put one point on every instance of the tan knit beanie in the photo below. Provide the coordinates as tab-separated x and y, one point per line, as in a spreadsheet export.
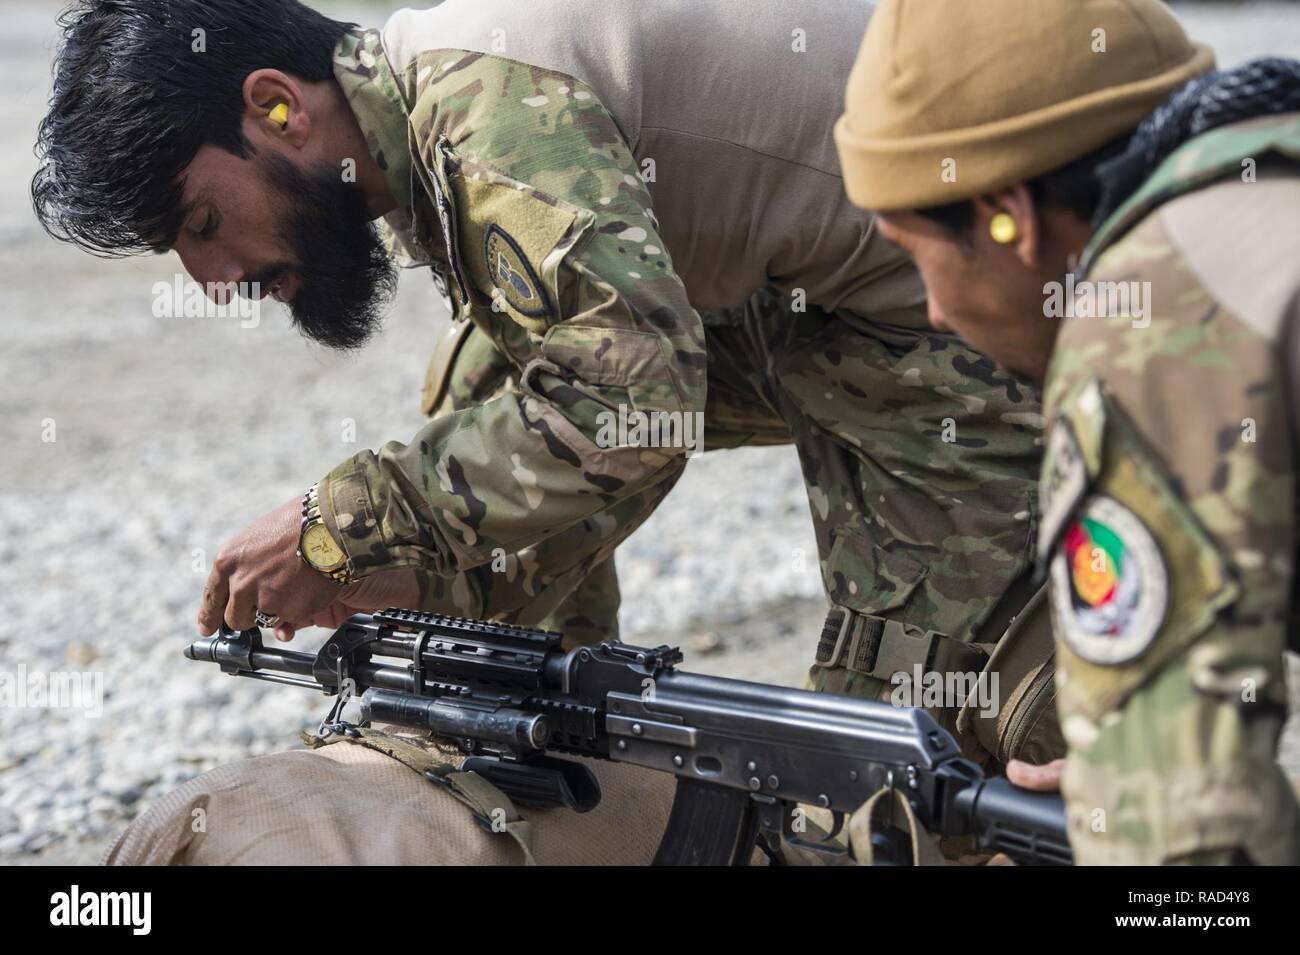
952	99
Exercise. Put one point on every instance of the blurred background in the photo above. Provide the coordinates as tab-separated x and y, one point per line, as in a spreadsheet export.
132	446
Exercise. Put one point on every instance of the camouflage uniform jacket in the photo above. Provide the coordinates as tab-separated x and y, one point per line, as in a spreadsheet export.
1168	495
518	185
541	273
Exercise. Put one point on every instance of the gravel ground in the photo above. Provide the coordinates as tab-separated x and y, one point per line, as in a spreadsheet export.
170	435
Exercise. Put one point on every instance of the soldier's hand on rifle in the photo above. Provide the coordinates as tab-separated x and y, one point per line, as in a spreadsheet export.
1043	779
259	569
387	588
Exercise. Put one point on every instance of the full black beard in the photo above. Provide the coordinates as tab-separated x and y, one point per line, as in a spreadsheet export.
346	275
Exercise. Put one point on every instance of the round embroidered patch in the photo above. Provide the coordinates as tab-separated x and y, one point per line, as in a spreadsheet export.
508	268
1110	589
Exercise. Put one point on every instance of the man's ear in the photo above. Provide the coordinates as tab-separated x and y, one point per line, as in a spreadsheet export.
1026	240
275	105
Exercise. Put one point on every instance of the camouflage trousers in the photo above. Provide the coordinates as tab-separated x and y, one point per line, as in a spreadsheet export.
919	457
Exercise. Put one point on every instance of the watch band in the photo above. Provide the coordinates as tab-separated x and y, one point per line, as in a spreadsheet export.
311	516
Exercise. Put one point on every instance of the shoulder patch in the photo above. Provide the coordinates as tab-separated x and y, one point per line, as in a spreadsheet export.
1110	586
513	275
1061	487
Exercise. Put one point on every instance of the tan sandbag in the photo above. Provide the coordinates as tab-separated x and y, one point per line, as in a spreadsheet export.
348	805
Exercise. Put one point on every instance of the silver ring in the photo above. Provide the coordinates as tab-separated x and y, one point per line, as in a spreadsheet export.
266	619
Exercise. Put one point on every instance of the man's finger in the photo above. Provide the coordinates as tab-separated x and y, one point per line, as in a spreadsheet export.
1043	779
241	608
212	605
284	631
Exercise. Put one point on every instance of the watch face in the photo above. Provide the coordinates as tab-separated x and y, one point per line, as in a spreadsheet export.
320	550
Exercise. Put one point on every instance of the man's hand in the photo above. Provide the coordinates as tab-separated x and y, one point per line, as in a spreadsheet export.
1043	779
387	588
260	570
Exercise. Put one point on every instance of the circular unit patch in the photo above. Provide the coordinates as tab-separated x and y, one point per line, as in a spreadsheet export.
1110	588
510	272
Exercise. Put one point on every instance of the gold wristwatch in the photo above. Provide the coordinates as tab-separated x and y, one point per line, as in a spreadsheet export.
317	546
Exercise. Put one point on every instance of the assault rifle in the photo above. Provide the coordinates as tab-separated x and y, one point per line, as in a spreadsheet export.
744	754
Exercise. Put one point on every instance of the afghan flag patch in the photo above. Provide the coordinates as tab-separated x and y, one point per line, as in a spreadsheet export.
1110	588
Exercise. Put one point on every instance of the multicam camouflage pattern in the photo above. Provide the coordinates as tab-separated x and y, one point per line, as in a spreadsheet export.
498	145
1189	424
918	454
777	376
467	370
370	87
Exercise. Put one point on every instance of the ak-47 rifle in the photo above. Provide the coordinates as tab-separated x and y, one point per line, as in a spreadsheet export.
745	754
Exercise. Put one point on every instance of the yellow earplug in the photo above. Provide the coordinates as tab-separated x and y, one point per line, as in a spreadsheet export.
1003	229
280	115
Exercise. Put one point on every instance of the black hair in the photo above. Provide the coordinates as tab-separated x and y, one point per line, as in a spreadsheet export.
139	87
1074	187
